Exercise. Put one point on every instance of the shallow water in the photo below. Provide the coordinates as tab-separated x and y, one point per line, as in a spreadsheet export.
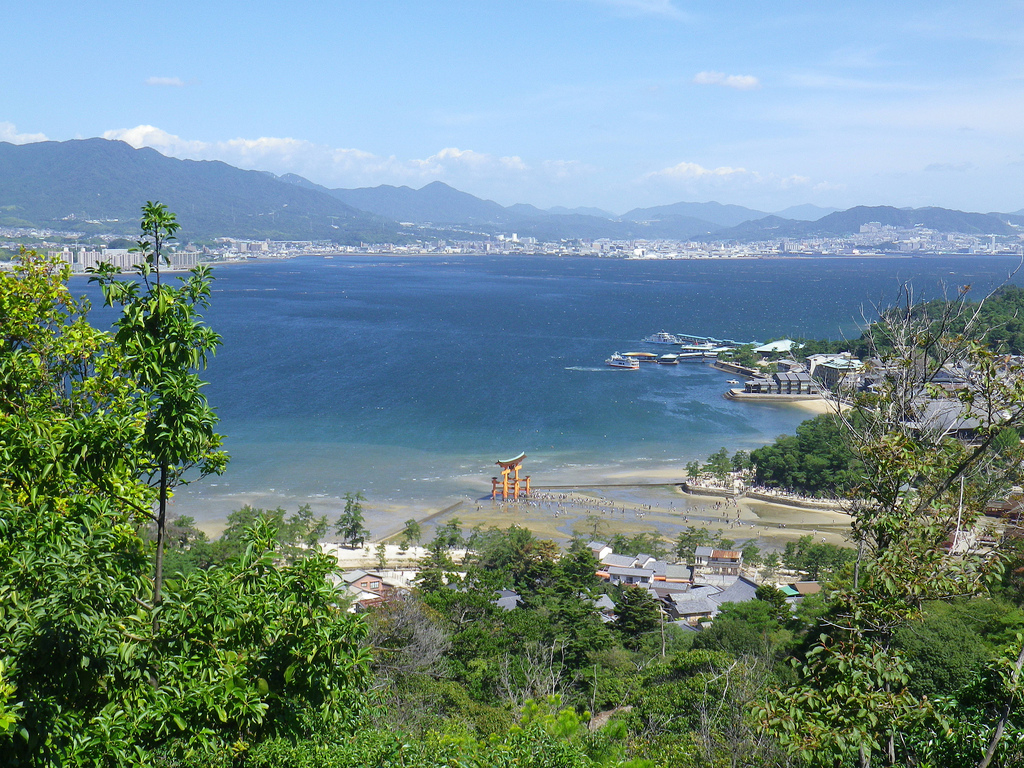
406	378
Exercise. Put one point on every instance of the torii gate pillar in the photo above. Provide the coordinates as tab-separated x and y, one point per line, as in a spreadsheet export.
511	483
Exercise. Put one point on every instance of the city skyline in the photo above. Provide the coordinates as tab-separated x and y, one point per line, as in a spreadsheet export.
607	103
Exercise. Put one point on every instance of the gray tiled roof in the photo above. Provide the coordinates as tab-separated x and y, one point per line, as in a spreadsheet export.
740	591
615	570
622	561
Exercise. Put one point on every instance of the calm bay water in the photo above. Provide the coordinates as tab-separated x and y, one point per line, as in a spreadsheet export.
407	377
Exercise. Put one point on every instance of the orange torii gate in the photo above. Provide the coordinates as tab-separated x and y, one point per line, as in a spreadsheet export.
513	486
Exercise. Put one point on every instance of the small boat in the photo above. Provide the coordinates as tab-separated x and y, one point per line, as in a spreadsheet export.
621	361
643	357
668	360
662	338
732	381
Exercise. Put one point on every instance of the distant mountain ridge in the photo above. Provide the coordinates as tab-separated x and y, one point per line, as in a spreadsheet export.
63	185
715	213
849	222
438	204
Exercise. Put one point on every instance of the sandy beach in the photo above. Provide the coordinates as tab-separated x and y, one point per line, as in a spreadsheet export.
592	502
629	505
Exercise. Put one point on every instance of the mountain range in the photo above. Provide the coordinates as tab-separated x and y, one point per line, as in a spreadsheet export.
96	185
66	185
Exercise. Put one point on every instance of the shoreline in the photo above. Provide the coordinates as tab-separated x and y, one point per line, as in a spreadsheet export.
604	501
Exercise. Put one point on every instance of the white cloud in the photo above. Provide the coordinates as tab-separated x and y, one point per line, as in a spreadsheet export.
173	82
158	139
663	8
695	178
346	167
10	134
694	171
450	158
739	82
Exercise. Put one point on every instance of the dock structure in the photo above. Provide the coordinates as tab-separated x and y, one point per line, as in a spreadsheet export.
689	340
510	484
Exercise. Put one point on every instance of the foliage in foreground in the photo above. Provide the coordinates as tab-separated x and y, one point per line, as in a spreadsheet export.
241	652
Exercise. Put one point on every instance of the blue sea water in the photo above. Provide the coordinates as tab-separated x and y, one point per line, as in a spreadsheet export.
406	378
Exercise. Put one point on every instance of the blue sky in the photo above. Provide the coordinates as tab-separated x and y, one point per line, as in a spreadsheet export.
609	103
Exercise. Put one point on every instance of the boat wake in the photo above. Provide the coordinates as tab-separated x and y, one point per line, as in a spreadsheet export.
582	368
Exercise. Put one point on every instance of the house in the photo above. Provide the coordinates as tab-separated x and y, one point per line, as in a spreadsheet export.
693	605
606	607
673	573
702	602
789	366
641	577
599	549
620	561
507	600
366	588
723	562
797	591
944	417
368	581
692	609
740	591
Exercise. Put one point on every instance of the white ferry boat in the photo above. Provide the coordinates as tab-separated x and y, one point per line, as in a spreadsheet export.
662	338
620	361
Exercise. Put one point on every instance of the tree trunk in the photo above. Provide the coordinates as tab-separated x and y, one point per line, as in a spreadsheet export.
1001	725
158	570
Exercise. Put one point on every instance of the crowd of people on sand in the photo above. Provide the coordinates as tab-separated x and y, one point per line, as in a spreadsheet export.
740	489
724	513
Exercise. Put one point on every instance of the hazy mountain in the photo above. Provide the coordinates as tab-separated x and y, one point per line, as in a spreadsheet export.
436	203
939	219
525	210
600	213
1011	218
767	228
441	205
65	184
571	226
805	212
713	213
849	222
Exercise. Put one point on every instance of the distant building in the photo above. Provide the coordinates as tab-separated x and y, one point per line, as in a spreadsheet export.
833	370
782	346
789	383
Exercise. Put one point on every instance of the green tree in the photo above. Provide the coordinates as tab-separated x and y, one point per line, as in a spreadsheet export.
637	613
818	460
350	524
719	465
741	461
751	553
689	539
744	629
411	533
816	559
241	653
919	485
164	344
